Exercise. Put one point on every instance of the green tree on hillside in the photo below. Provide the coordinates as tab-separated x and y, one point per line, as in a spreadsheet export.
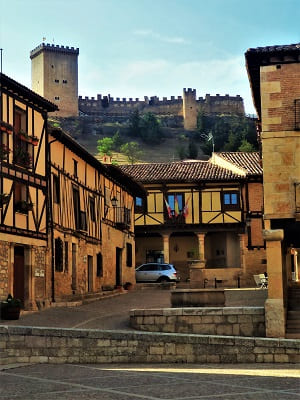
132	151
105	146
150	128
135	123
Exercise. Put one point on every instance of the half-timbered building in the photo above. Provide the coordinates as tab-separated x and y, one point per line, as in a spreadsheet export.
209	211
24	214
66	220
92	235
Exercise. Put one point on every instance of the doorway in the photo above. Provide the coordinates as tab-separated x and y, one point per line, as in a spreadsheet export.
19	273
118	265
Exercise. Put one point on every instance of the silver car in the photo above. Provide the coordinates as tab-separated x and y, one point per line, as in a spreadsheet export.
155	272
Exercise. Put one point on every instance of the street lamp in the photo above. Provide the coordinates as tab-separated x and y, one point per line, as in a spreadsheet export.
114	201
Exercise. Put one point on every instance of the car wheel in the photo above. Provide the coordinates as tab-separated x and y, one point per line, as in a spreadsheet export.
163	279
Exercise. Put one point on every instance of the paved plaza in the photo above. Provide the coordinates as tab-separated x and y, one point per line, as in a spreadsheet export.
150	382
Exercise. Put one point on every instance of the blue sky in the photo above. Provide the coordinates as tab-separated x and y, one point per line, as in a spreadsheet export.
133	48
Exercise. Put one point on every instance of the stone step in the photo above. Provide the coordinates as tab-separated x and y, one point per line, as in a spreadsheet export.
292	335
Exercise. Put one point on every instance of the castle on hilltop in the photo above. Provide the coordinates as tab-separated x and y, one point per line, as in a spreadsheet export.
55	76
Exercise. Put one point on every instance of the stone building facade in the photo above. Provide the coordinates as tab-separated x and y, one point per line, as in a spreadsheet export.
274	74
54	75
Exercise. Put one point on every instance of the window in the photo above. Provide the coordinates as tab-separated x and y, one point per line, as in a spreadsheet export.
75	168
56	97
58	247
56	80
65	81
175	202
139	205
129	254
4	146
99	265
22	203
92	209
231	200
56	189
23	150
76	206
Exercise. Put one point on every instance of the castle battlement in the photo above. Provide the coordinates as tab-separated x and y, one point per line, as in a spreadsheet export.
153	100
53	48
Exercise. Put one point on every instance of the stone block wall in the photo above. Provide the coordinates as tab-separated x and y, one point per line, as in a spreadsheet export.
4	260
236	321
53	345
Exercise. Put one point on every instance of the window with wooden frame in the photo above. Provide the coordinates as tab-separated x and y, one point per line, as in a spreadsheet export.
92	209
99	265
128	254
66	256
22	202
230	200
75	168
23	149
76	207
139	205
176	203
58	254
56	189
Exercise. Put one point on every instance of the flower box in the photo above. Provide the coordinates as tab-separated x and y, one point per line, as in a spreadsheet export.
23	206
4	199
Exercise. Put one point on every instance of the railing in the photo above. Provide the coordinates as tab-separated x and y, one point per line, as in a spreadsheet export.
122	217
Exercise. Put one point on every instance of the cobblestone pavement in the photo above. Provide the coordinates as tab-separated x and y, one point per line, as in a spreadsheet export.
150	382
108	313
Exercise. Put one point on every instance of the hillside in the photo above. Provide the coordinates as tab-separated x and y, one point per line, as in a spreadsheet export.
88	130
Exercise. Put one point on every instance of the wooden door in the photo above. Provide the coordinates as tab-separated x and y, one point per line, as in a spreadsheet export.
19	273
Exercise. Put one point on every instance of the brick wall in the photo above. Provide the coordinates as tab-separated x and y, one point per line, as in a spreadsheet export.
52	345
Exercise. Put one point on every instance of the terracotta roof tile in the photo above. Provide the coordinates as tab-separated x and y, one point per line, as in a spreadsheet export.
249	161
195	171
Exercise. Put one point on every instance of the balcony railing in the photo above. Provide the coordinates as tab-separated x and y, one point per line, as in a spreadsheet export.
122	217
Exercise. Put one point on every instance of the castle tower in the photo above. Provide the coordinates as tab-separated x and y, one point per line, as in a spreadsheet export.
54	75
190	110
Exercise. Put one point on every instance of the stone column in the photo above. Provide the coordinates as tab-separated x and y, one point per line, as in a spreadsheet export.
275	313
201	248
196	267
166	243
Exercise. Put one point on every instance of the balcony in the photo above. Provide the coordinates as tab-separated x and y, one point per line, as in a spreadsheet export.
122	217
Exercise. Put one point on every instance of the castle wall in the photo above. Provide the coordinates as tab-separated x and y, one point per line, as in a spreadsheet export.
184	107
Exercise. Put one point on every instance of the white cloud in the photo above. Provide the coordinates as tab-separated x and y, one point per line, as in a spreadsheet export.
153	35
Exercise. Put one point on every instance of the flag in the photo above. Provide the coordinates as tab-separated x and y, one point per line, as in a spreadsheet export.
186	207
176	207
168	209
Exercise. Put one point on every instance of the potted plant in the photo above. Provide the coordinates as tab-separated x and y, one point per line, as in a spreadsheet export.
4	152
34	140
5	127
23	206
22	157
11	308
4	199
128	286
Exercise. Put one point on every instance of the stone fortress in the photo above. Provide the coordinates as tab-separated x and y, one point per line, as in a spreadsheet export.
55	76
